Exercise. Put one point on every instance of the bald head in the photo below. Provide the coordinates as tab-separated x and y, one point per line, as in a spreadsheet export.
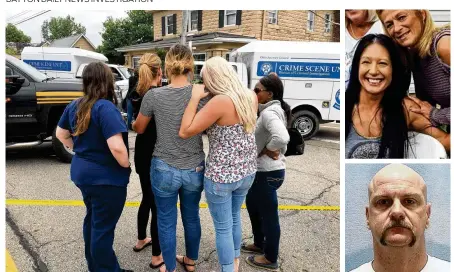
399	175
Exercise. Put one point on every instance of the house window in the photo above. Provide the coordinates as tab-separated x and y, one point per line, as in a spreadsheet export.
169	24
193	20
327	23
227	56
135	62
200	56
230	17
310	21
272	17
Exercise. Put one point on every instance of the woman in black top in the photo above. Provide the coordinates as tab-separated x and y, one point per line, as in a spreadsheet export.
149	77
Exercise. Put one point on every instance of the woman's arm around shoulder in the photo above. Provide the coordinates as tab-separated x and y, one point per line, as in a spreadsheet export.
419	123
194	122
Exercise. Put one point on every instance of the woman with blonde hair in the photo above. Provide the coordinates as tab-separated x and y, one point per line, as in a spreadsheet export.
358	23
94	128
229	118
429	49
178	164
149	78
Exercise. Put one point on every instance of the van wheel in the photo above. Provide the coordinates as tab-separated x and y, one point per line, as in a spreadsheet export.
62	152
306	122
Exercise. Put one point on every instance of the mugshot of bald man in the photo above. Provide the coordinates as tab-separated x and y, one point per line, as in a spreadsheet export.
397	215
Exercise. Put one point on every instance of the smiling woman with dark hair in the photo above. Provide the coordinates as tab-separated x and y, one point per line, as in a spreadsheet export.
378	112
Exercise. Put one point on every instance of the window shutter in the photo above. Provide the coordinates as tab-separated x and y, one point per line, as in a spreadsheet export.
221	19
174	24
199	22
238	17
163	21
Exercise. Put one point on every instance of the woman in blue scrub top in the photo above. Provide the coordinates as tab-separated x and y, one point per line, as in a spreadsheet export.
93	127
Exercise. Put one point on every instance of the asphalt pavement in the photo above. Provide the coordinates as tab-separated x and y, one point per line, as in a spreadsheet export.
44	214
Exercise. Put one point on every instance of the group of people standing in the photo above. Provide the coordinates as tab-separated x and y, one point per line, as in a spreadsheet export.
246	160
384	49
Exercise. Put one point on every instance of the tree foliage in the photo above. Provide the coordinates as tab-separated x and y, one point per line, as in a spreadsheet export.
136	28
11	51
61	27
13	34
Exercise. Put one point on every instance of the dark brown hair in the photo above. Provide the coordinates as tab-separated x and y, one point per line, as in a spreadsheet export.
98	83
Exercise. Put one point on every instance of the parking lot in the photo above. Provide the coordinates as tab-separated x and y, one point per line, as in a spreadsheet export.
44	214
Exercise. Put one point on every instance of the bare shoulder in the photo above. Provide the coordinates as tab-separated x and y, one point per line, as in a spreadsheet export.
444	49
220	101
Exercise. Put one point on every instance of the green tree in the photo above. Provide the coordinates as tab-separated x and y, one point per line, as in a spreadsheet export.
61	27
136	28
11	51
13	34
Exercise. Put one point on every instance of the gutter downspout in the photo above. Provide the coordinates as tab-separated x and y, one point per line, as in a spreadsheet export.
262	32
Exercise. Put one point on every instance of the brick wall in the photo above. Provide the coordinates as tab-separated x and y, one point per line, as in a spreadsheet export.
292	25
158	23
250	26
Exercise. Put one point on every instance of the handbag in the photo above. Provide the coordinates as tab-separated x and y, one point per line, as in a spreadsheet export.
296	144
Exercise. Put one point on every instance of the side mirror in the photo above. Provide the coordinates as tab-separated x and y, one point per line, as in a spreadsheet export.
13	83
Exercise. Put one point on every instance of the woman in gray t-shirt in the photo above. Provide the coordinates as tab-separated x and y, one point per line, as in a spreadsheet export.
178	165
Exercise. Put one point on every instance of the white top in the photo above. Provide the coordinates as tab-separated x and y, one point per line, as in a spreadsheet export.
350	46
433	265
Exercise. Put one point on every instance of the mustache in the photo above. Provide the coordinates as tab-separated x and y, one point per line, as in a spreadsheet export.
398	224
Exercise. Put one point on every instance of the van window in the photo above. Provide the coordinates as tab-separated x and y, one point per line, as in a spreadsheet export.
125	72
116	73
8	71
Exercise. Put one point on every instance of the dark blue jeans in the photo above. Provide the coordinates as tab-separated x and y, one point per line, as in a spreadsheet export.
104	205
262	204
168	183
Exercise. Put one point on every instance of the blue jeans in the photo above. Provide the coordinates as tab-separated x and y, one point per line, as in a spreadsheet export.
262	204
224	202
129	111
104	206
168	182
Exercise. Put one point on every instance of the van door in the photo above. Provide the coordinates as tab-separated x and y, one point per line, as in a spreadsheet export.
334	112
21	119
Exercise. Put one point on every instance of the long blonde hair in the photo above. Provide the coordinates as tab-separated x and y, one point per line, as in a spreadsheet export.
428	32
148	71
220	78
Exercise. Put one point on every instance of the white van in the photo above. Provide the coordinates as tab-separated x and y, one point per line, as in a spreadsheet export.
310	73
70	63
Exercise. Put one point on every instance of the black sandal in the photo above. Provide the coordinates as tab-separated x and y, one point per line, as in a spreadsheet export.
156	266
184	264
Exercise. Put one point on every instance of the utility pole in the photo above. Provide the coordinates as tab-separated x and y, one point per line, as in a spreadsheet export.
185	27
